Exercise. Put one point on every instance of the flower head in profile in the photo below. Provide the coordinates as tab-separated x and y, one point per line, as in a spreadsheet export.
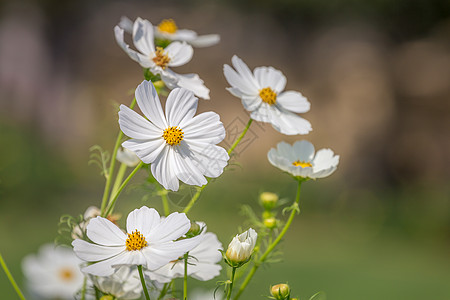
300	160
202	263
123	284
53	273
150	241
159	60
261	93
167	29
241	248
178	145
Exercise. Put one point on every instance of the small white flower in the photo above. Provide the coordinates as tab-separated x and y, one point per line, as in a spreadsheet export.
198	294
300	160
176	144
123	284
241	247
53	273
127	157
150	242
159	60
262	94
202	263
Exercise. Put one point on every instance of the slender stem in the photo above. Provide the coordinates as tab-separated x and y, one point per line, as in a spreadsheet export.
194	199
11	278
98	294
118	181
185	276
83	289
164	290
165	201
112	165
232	281
144	286
119	190
272	245
240	137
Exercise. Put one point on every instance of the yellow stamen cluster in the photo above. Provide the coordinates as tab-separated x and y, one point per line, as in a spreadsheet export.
66	274
302	164
168	25
173	135
135	241
268	95
160	58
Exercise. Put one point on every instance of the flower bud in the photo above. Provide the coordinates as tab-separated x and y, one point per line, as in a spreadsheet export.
195	229
270	223
107	297
267	215
268	200
241	248
280	291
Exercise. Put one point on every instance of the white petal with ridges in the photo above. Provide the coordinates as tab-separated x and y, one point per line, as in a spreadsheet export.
92	252
104	232
146	150
148	101
179	53
180	105
293	101
135	126
143	36
171	228
143	219
270	77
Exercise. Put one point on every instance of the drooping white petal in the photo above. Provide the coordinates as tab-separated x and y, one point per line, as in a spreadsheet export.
179	53
146	150
293	101
205	127
245	73
148	101
135	126
184	35
143	36
92	252
303	150
169	229
143	219
188	170
119	34
104	232
205	40
180	105
270	77
105	267
163	169
126	24
289	123
236	81
191	82
212	159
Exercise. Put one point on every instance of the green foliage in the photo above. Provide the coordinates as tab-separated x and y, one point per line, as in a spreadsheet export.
100	158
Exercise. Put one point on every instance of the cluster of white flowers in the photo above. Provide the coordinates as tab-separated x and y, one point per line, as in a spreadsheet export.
178	145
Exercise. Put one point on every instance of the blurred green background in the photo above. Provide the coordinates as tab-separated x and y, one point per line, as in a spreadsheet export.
377	74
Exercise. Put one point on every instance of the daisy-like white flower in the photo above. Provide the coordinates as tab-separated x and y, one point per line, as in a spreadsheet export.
300	160
149	241
176	144
202	263
53	273
167	29
160	60
123	284
262	95
127	157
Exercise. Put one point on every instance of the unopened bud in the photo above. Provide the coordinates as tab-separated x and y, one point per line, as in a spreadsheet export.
241	248
194	230
268	200
270	223
280	291
267	215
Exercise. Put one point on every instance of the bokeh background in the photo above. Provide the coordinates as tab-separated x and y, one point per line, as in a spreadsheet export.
377	74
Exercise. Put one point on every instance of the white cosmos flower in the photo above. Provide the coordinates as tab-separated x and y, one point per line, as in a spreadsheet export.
127	157
176	144
301	161
123	284
149	241
160	60
167	29
241	247
202	263
262	94
53	273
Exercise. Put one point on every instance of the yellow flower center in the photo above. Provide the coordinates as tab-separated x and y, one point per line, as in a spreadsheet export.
173	135
268	95
66	274
161	59
168	25
135	241
302	164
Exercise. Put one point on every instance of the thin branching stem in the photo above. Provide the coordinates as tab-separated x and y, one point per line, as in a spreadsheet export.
11	278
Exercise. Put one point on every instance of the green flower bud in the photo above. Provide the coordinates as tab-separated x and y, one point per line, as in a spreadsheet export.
267	215
194	230
268	200
280	291
270	223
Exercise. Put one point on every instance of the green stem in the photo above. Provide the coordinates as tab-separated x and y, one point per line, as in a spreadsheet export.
119	190
11	278
231	284
194	199
112	166
240	137
165	201
118	181
271	246
144	286
185	276
83	289
164	290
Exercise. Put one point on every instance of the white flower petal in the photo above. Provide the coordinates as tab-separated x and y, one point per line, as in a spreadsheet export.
245	73
92	252
143	36
184	35
163	169
135	126
150	105
289	123
146	150
236	81
126	24
144	220
293	101
180	105
187	169
205	127
303	151
191	82
179	53
119	34
170	228
212	159
270	77
205	40
104	268
104	232
203	271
